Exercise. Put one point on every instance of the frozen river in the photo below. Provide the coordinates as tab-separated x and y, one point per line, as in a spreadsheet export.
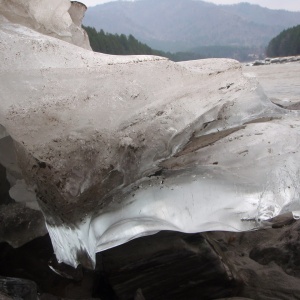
281	82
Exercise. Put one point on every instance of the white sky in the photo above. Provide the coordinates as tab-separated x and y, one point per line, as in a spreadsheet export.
273	4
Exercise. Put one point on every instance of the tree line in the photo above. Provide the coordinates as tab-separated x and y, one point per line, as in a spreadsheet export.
117	44
287	43
128	45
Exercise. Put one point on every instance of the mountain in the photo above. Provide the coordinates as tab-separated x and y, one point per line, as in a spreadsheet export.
180	25
264	16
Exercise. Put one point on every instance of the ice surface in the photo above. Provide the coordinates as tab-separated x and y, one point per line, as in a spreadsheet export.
120	147
245	188
58	18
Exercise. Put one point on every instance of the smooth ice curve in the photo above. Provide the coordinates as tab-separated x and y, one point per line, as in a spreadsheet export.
121	147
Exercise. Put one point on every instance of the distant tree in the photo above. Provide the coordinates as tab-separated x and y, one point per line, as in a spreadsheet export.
287	43
128	45
118	44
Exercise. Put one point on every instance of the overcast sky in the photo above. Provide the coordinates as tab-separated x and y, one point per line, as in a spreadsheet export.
273	4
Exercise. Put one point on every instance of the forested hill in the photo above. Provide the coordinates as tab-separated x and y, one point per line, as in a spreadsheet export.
128	45
117	44
287	43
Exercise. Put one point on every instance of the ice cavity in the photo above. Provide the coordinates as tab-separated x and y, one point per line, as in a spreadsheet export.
120	147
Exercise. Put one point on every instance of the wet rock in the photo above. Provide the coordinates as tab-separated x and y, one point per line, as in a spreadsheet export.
5	297
4	187
235	298
18	288
167	265
282	220
51	297
19	211
31	262
266	262
139	295
283	250
258	265
20	224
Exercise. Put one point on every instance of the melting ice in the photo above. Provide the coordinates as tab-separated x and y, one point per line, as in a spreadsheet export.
121	147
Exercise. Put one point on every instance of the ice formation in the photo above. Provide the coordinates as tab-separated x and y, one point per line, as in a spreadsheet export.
121	147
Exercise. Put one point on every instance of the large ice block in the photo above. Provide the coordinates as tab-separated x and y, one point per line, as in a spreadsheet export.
122	146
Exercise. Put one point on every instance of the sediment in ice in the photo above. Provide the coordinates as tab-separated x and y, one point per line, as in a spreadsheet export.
121	147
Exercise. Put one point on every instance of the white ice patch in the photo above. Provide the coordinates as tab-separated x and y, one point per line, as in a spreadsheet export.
237	193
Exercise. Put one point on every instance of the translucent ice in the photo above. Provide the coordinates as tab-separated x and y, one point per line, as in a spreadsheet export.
120	147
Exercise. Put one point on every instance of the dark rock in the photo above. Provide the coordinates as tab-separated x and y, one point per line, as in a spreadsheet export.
139	295
257	265
266	262
48	297
31	262
4	187
20	224
51	297
5	297
18	288
259	63
168	265
235	298
283	250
